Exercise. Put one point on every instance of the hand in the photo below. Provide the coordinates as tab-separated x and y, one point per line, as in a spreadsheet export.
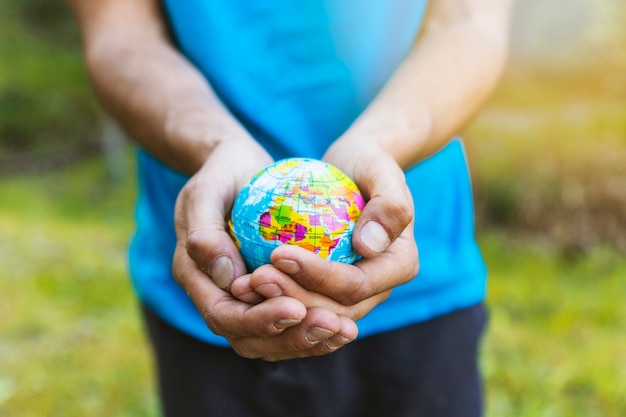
356	289
204	204
206	261
383	235
276	329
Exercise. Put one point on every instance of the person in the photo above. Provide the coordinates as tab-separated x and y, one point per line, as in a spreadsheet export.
213	92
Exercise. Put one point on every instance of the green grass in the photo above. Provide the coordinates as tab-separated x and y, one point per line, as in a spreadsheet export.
72	343
548	156
548	161
47	110
556	345
71	339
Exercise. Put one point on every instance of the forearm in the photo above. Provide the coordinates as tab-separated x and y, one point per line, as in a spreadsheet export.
162	103
442	83
157	96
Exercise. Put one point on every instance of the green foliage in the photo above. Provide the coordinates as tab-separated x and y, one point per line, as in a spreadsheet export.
556	345
48	115
548	157
72	344
548	162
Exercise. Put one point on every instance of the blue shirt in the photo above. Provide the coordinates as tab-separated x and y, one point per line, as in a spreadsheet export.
296	74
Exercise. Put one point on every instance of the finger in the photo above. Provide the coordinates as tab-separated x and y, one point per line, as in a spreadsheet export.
228	316
271	282
320	333
242	290
389	208
216	254
348	332
350	284
200	225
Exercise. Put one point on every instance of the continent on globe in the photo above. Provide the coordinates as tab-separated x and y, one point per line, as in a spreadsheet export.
297	201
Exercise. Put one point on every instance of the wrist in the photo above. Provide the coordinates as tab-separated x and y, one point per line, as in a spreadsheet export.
193	132
384	130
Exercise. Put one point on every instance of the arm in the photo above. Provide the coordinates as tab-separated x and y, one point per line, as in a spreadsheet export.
169	108
154	93
442	83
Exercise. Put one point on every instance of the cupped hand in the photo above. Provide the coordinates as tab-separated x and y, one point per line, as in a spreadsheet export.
383	236
278	328
206	261
203	207
348	290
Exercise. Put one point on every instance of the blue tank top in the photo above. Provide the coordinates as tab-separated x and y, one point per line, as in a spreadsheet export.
296	74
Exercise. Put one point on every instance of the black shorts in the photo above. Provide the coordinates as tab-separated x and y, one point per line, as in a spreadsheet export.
428	369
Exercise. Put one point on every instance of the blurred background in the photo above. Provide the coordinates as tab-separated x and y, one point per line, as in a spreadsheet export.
548	156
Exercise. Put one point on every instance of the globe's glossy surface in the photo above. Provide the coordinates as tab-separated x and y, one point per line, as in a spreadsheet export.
297	201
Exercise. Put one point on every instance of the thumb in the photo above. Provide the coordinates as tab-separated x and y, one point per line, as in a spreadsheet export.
389	209
201	232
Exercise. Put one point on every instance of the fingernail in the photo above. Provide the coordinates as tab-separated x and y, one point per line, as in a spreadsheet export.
288	266
374	236
317	334
222	272
269	290
337	341
251	298
283	324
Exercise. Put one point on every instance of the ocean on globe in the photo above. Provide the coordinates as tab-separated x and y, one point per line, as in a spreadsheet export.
297	201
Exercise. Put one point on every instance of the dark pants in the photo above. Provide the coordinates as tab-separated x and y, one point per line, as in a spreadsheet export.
428	369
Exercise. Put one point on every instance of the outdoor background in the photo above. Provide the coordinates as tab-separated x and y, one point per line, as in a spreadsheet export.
548	156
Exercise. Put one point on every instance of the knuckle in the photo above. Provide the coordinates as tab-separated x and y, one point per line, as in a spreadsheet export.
355	291
196	242
400	213
198	248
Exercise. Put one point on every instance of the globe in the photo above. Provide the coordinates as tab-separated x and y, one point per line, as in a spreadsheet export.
297	201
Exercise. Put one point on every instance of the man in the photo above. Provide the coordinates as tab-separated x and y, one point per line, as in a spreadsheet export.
213	92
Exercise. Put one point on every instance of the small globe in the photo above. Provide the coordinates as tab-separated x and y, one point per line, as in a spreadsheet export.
297	201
